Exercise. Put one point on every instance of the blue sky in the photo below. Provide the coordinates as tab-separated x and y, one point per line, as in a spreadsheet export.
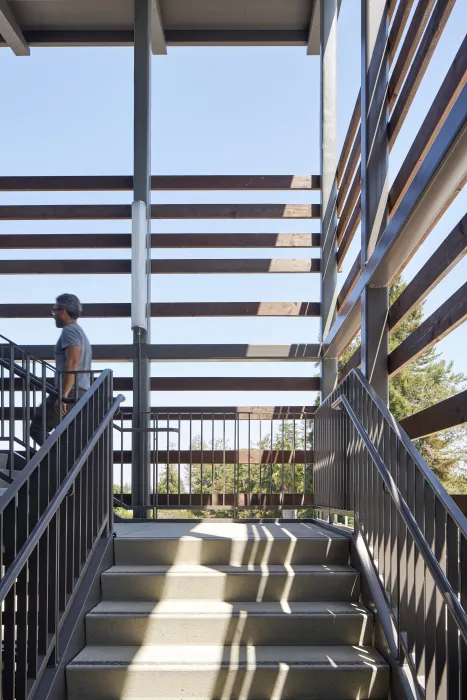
214	111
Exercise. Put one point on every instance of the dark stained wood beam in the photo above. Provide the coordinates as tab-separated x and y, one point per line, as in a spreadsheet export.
74	183
446	96
349	138
186	501
352	363
349	283
224	384
349	172
194	353
351	201
444	320
409	47
175	310
419	65
349	234
160	240
159	267
58	212
451	250
450	413
230	457
211	384
218	413
398	26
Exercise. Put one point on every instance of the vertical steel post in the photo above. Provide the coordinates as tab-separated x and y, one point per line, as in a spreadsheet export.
140	471
329	14
374	187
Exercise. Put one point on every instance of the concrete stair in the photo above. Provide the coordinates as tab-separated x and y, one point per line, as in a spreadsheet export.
218	611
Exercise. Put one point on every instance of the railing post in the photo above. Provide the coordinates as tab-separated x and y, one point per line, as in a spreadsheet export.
140	472
328	183
374	188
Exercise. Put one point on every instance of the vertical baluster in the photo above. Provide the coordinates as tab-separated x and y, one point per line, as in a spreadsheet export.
430	597
33	583
9	605
463	600
452	572
420	571
22	595
441	622
201	463
411	605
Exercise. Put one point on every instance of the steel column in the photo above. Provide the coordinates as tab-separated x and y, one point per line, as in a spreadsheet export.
329	13
374	188
140	472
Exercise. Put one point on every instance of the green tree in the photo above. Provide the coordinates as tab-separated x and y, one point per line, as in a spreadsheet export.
421	384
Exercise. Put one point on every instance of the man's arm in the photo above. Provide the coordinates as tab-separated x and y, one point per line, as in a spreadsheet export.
73	356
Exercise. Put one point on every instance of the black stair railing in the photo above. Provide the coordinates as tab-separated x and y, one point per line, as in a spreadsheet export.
52	518
25	384
412	531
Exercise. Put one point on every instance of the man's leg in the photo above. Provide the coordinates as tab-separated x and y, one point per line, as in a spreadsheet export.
51	420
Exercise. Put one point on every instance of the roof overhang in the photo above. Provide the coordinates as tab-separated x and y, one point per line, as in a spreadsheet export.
174	23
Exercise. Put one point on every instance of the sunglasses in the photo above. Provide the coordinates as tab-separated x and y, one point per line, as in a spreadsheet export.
55	310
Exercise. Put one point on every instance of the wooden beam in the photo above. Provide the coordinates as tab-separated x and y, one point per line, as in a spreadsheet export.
231	266
220	457
450	413
18	241
349	138
175	310
159	267
11	31
196	353
349	233
447	318
186	501
352	363
419	65
350	282
350	203
94	212
70	183
349	171
217	413
224	384
451	250
398	26
446	97
407	52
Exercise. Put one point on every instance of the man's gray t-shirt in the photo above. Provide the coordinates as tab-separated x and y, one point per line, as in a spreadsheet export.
73	335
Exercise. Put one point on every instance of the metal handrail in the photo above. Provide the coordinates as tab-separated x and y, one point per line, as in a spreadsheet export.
432	564
21	558
36	459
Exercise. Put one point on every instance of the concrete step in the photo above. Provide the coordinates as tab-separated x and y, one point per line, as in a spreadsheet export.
231	583
237	673
225	543
218	623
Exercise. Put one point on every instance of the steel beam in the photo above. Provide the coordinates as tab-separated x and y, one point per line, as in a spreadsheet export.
11	31
158	43
328	18
374	188
140	472
439	179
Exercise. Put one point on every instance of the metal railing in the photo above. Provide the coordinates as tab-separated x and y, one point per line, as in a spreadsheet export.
219	462
52	518
413	531
25	384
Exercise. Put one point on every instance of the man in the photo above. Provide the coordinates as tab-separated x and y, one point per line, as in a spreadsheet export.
72	354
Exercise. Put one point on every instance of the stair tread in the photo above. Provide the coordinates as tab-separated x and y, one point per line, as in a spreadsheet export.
179	656
225	531
213	608
222	569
